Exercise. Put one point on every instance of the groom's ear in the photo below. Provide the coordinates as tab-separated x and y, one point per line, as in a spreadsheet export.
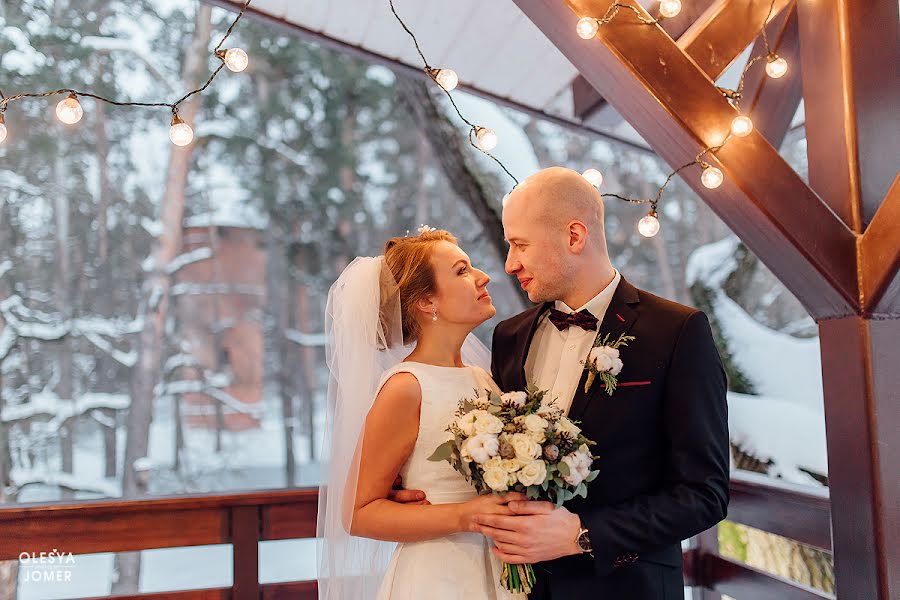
577	236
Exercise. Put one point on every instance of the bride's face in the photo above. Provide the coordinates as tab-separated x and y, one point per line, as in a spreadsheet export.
462	296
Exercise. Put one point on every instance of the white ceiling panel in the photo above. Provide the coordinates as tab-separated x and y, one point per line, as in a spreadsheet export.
492	46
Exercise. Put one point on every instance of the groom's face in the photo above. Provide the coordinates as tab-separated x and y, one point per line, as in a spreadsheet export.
536	254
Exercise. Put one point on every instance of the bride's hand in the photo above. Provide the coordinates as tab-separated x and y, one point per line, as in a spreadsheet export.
488	504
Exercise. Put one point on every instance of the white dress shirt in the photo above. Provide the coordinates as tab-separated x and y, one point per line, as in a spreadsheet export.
555	357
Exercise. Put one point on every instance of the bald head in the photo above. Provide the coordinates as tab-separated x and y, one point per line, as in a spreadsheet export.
557	196
553	222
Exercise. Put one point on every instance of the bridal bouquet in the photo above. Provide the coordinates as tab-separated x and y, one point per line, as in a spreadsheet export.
511	442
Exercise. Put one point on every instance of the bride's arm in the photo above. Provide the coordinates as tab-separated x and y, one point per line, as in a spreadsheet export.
391	429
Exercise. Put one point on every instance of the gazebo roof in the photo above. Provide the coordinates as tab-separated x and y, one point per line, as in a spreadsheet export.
496	50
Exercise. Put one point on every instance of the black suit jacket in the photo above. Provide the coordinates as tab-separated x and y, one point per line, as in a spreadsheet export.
662	442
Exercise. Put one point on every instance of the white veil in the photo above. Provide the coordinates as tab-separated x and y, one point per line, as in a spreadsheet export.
363	326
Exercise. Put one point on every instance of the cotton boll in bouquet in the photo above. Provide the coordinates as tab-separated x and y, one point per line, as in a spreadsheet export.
515	442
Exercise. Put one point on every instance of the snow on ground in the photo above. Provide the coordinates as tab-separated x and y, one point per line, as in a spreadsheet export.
785	422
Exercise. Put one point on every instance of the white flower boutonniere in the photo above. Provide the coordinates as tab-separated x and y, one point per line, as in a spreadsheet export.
603	360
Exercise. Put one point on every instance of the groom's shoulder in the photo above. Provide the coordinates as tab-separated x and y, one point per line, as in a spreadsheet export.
667	312
664	305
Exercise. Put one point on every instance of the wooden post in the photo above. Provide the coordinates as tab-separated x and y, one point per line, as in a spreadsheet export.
245	535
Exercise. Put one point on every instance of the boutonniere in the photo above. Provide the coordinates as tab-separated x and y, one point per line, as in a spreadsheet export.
603	360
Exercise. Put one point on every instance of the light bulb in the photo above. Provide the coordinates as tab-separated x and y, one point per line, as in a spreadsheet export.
236	59
69	111
587	28
594	176
180	133
712	177
649	225
741	126
447	79
2	128
669	8
485	138
776	67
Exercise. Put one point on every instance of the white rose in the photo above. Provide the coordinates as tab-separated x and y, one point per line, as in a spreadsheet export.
510	465
481	447
512	478
533	473
466	423
576	471
538	436
516	398
496	479
565	425
536	423
525	447
485	422
495	462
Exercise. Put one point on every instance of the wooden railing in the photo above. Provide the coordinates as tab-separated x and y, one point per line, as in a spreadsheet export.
799	513
245	519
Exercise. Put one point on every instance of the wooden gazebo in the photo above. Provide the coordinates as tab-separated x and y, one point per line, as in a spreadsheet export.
834	242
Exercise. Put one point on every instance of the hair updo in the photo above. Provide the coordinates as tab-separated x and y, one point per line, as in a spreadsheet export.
409	259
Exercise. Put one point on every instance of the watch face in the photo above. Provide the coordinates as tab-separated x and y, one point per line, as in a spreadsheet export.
584	542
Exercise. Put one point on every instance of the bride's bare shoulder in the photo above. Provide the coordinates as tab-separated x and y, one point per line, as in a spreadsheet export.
400	389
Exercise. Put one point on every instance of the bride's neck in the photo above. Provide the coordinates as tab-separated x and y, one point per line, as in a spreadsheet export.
439	347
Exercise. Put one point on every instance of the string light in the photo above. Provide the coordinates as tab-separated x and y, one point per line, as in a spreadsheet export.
485	138
180	132
69	110
587	28
711	177
669	8
594	176
776	66
741	126
649	225
235	59
446	78
481	138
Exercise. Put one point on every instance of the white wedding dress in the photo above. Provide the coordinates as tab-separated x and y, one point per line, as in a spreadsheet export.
460	566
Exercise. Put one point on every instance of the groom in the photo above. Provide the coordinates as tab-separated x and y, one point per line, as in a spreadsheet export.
662	435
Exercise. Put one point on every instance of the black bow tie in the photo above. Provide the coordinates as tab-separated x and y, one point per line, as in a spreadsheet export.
582	318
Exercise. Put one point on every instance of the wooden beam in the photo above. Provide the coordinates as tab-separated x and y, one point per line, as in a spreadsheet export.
879	252
673	104
852	94
725	30
860	376
772	103
712	32
587	101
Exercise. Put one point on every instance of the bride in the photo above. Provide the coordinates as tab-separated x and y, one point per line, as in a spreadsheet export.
401	355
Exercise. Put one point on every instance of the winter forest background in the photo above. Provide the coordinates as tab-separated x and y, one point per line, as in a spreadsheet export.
161	309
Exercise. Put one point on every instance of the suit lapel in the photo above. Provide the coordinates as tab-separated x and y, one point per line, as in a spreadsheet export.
523	343
619	318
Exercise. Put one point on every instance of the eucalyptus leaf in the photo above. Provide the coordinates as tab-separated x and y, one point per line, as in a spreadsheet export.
443	452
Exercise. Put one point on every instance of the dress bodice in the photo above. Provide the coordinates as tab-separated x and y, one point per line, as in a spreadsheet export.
442	389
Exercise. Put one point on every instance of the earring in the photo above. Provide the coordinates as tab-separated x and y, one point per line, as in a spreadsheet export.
434	314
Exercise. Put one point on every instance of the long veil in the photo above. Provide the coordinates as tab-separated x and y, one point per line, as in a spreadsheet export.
363	327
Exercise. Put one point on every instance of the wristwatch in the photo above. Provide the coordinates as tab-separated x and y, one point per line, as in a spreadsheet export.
584	541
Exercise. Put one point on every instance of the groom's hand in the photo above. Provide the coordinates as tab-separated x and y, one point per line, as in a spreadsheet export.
539	532
398	494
